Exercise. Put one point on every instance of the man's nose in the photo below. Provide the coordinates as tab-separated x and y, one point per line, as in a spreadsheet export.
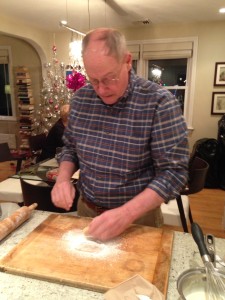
101	87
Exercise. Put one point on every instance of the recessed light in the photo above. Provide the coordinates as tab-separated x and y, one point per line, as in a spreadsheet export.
222	10
63	22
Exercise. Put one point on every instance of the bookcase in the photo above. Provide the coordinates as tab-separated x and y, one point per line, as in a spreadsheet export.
25	100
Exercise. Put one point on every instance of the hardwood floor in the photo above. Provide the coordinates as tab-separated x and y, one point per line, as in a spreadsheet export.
7	169
207	209
207	206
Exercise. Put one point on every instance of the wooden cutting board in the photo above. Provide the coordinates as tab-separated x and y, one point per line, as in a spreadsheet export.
58	251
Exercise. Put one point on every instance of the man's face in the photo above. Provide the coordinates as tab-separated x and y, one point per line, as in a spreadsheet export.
108	76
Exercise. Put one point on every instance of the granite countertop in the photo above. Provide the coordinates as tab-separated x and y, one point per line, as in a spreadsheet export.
185	255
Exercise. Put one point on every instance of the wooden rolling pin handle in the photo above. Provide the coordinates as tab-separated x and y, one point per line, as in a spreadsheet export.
15	220
32	206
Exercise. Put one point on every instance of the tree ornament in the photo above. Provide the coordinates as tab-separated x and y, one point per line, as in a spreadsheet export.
54	48
75	80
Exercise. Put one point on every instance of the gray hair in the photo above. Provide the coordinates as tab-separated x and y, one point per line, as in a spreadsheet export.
114	40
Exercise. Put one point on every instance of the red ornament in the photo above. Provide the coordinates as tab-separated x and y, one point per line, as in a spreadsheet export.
54	48
75	80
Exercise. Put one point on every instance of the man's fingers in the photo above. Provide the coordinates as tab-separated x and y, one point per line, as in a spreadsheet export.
85	231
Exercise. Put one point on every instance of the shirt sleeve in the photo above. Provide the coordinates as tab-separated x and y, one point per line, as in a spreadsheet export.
69	149
169	148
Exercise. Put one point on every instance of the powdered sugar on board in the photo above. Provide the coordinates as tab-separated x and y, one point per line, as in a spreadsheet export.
79	244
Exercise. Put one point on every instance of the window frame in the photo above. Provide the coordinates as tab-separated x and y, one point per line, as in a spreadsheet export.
142	70
11	83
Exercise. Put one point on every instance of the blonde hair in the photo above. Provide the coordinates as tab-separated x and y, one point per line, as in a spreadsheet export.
114	40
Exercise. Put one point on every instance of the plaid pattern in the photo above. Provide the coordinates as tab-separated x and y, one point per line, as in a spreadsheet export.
139	142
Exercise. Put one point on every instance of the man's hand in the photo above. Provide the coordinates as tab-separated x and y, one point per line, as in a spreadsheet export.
115	221
63	194
108	225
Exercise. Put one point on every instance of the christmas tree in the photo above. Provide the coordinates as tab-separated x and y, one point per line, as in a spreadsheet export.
58	88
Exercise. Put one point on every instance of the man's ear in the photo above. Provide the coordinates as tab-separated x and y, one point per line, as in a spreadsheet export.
128	61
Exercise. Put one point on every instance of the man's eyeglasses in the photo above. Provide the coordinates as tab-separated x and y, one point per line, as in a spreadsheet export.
107	81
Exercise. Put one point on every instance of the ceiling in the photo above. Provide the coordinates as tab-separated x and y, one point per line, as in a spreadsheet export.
86	14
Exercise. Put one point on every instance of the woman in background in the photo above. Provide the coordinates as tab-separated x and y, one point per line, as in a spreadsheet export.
54	137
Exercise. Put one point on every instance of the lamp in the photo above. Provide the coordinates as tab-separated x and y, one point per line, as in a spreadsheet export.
156	72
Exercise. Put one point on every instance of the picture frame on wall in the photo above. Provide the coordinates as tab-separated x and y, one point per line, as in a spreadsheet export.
218	103
219	78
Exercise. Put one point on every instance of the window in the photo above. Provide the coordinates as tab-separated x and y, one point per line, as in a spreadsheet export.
135	51
134	65
170	73
7	107
176	60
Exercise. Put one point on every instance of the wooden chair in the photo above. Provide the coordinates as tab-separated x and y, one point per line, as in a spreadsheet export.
198	169
41	194
5	154
177	212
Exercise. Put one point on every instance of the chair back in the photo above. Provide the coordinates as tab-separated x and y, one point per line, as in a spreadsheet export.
36	142
41	195
5	154
198	169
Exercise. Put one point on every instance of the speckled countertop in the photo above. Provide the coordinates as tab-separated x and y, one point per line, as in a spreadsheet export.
185	255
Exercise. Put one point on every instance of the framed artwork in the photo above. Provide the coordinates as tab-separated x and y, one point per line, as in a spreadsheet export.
218	103
219	78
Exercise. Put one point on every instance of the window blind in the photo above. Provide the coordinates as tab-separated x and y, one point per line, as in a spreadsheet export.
167	50
135	51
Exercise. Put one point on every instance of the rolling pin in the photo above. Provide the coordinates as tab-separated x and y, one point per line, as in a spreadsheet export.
18	217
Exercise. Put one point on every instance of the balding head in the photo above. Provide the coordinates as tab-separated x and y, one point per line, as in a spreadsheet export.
111	42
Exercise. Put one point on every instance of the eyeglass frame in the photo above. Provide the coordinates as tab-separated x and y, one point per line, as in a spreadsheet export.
106	81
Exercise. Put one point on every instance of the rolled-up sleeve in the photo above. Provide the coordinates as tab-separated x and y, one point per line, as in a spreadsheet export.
169	148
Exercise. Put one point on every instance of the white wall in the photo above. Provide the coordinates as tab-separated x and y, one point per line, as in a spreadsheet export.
23	54
18	28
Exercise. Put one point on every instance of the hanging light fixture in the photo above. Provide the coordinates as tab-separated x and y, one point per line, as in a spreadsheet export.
75	52
76	61
63	23
75	47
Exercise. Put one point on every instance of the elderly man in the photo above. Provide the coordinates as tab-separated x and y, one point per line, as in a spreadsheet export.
127	136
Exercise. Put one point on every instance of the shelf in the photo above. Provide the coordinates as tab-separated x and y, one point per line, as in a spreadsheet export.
25	100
